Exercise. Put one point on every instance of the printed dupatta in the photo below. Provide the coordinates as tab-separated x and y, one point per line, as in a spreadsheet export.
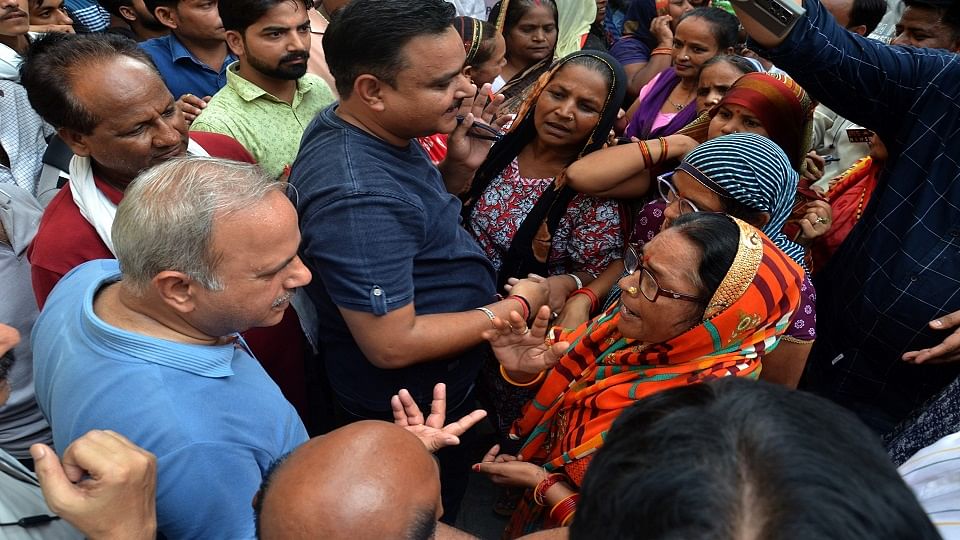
604	372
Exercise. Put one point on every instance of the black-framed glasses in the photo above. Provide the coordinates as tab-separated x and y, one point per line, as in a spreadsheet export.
669	193
649	287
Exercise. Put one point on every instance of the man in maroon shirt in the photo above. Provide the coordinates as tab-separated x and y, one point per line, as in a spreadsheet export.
111	108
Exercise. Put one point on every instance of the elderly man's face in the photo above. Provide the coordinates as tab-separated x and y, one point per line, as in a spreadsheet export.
140	124
258	267
14	18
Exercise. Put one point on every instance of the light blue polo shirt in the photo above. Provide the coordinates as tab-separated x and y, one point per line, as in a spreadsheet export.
212	416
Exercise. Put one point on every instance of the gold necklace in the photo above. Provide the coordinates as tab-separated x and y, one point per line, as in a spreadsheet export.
678	106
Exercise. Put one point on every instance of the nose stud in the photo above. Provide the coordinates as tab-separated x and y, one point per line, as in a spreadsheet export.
632	291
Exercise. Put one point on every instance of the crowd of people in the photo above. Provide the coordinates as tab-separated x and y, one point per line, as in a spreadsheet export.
690	273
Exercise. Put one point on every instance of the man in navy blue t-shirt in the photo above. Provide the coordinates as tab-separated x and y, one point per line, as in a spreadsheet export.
398	277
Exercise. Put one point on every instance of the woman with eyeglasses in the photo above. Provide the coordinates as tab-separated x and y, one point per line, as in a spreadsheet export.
751	178
707	298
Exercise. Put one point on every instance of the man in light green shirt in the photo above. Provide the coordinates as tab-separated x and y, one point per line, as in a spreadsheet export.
269	98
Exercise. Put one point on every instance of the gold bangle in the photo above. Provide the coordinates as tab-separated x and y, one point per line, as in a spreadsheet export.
503	373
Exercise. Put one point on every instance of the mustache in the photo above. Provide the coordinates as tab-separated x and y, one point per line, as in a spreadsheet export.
283	299
14	11
294	56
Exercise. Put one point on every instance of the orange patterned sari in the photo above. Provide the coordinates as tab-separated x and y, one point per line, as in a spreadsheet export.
603	372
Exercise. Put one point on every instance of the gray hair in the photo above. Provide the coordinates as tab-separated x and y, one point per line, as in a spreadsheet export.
166	218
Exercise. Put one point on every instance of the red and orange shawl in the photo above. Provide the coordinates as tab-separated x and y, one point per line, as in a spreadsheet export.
603	372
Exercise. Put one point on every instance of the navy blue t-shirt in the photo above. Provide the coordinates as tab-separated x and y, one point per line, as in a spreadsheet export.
381	231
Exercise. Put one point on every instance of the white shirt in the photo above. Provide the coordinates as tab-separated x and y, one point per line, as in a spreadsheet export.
933	474
470	8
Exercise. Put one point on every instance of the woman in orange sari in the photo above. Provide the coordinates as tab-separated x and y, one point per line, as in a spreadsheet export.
707	298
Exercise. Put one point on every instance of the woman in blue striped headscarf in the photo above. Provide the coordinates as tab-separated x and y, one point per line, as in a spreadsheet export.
749	177
747	173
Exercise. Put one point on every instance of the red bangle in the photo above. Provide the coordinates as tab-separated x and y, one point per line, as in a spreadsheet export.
645	152
663	150
540	492
563	510
594	301
661	50
524	305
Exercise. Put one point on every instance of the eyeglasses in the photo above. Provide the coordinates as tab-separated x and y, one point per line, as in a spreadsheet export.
669	193
649	287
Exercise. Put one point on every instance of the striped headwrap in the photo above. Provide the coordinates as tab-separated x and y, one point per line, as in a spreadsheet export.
471	32
781	105
604	372
754	172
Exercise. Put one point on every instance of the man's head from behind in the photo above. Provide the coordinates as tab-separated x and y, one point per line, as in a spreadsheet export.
210	243
107	101
193	21
933	24
741	459
398	61
858	16
272	37
367	480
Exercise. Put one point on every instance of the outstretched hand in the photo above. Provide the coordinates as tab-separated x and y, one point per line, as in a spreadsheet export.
508	470
520	349
431	431
947	351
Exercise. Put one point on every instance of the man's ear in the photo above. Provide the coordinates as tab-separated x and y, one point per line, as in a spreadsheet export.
127	13
369	89
235	42
75	140
860	30
468	72
176	289
167	16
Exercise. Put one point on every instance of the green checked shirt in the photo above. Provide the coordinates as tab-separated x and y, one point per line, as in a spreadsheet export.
270	129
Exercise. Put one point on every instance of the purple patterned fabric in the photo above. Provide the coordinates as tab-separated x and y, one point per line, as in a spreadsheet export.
803	323
642	121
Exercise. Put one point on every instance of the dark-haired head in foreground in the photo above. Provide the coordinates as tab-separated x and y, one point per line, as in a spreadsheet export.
741	459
